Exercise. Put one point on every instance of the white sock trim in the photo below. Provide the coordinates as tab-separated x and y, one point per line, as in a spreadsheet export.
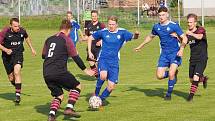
69	106
52	112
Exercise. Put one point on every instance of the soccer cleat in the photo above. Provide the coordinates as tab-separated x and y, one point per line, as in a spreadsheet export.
205	84
167	98
51	117
190	97
17	100
71	112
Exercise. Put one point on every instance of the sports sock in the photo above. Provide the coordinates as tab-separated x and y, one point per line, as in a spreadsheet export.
171	84
98	86
166	74
105	94
194	87
18	87
73	97
55	104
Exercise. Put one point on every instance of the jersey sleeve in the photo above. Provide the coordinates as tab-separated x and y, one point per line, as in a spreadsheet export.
178	30
70	47
102	26
97	35
201	30
2	34
76	25
127	35
153	32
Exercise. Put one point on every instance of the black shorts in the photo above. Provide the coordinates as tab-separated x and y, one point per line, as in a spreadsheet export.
11	60
197	68
57	83
95	51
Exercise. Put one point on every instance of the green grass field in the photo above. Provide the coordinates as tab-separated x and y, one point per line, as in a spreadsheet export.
137	97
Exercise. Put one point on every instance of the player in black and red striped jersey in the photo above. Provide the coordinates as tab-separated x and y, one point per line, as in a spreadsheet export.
56	51
11	44
198	54
92	27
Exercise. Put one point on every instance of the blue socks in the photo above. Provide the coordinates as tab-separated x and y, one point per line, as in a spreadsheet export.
99	86
105	94
171	84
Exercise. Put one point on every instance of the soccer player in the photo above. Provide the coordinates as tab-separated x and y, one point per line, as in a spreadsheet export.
198	54
11	44
94	26
55	53
75	28
108	61
171	52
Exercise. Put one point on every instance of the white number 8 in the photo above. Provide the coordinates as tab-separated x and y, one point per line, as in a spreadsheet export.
52	47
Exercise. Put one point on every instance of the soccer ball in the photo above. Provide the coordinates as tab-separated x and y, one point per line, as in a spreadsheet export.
95	102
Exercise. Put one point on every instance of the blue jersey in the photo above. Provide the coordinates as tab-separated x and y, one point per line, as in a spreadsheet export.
112	42
168	43
74	32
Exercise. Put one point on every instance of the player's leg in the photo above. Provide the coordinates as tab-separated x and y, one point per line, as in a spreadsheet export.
172	80
18	83
100	81
8	64
198	72
203	78
102	68
163	64
113	72
70	83
57	93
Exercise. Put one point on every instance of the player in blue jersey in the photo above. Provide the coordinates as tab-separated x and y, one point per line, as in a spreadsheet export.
75	28
108	61
171	52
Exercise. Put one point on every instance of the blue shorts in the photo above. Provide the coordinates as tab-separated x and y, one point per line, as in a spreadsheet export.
166	60
112	69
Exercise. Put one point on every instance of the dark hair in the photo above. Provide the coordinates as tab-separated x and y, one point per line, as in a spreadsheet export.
69	12
113	18
14	19
162	9
94	11
65	24
192	15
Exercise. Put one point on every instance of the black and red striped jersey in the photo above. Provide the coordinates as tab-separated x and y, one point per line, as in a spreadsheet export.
13	40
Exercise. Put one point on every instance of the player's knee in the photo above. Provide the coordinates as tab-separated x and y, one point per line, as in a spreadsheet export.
103	76
11	77
171	75
60	97
78	87
159	76
111	87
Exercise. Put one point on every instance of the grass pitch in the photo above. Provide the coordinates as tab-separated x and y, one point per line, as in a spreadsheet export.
137	97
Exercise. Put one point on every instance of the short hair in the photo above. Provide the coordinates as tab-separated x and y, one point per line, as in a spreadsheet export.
69	12
65	24
14	19
94	11
192	15
113	18
162	9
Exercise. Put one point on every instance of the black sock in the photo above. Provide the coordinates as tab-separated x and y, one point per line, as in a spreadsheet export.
18	87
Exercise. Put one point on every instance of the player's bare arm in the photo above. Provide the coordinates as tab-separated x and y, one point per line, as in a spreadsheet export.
28	41
90	39
197	36
147	39
183	45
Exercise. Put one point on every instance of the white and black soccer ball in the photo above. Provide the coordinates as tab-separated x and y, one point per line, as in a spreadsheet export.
95	102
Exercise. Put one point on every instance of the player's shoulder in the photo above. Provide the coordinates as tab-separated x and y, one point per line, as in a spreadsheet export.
6	29
22	29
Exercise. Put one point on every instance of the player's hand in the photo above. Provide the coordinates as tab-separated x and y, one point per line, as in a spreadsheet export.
99	43
137	49
34	53
8	51
136	34
91	56
180	52
89	72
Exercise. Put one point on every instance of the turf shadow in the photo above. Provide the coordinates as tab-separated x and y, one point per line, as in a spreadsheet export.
7	96
85	77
